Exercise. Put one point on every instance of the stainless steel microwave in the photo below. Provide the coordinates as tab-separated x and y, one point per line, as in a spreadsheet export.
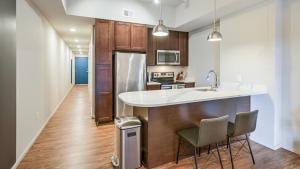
168	57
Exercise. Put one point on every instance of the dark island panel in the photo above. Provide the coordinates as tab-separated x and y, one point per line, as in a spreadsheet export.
161	123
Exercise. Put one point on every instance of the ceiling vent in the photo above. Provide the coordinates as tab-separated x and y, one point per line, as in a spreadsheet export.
128	13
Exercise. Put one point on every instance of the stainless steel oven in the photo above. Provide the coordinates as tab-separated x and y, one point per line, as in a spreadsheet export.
168	57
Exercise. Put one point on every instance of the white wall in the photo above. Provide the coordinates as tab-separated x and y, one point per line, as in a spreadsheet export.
248	56
291	78
92	74
199	13
145	13
203	56
43	74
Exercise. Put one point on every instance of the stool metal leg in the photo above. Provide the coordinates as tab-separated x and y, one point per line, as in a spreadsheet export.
231	159
199	151
178	149
195	157
227	142
220	159
250	149
208	151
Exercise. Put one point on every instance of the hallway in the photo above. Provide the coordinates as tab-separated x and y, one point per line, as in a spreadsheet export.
71	139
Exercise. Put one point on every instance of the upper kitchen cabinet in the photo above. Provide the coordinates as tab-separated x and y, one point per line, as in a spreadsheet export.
122	36
151	49
184	48
175	41
130	37
104	38
138	37
170	42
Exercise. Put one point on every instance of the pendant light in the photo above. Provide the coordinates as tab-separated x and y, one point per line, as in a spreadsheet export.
160	29
215	35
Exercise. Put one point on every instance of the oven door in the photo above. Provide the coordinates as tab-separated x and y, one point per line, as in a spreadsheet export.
168	57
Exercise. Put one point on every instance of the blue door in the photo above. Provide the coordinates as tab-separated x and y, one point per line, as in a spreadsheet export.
81	70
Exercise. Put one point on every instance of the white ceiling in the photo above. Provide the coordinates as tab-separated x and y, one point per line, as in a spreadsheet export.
184	15
167	2
54	11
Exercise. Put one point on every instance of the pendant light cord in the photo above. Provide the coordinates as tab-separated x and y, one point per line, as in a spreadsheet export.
215	14
160	9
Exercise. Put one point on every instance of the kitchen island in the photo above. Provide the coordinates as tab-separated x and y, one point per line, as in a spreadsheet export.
164	112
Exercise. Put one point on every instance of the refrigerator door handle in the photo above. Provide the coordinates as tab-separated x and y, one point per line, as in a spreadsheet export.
145	77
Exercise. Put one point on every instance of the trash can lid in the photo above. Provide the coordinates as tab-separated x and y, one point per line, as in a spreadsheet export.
126	122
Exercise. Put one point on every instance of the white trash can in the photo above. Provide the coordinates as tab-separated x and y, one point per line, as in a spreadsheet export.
128	140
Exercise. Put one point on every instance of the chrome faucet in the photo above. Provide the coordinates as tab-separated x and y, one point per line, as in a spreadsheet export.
216	85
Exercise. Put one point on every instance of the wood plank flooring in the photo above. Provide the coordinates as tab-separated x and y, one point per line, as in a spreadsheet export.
72	141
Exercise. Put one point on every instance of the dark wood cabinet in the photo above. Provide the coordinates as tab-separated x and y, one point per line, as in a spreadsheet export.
190	85
103	78
151	49
175	41
138	37
104	45
104	35
103	107
130	37
184	48
122	36
153	87
162	43
170	42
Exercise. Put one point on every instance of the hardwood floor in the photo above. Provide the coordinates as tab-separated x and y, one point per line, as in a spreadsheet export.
72	141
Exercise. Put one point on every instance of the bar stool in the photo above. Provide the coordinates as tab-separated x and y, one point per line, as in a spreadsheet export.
245	123
210	131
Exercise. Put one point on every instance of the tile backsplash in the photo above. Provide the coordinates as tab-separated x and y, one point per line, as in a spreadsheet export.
175	69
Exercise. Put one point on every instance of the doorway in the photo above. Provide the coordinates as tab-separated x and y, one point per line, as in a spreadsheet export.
81	70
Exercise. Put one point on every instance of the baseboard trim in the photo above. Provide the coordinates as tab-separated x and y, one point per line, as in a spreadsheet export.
18	161
81	84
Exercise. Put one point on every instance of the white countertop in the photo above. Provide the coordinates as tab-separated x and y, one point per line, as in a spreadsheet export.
157	98
157	83
153	83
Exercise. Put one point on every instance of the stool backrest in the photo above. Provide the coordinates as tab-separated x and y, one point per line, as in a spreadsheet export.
245	122
212	130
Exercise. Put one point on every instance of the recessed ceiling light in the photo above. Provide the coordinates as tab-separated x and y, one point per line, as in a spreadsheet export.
76	40
72	30
156	1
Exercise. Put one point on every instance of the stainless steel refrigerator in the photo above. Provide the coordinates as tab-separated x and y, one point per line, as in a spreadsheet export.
130	75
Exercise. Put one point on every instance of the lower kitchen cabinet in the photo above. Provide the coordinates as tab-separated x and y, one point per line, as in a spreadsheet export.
104	107
153	87
190	85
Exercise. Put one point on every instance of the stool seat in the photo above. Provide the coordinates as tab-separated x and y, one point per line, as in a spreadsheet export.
190	135
245	123
210	131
